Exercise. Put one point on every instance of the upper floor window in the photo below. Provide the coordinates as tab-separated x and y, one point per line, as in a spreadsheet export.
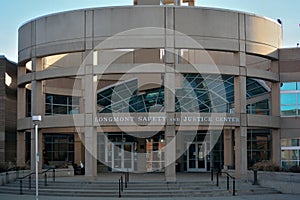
61	105
290	99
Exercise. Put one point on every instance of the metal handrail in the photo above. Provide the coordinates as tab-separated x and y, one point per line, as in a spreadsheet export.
32	173
16	168
122	182
228	181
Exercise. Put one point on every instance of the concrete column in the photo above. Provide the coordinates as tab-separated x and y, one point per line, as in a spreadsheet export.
169	84
240	132
228	148
275	111
90	135
37	106
241	152
21	148
276	147
21	100
90	132
240	104
77	149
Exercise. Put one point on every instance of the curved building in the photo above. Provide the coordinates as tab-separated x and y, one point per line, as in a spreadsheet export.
149	88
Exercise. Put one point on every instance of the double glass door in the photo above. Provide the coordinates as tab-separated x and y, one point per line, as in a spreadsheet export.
196	157
122	157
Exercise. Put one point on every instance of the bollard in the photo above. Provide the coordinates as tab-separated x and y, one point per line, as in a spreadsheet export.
233	187
6	178
17	173
29	184
122	189
217	179
255	182
53	175
21	191
119	188
45	179
227	182
212	174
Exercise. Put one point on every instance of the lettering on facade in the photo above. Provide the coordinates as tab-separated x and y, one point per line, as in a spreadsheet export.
163	119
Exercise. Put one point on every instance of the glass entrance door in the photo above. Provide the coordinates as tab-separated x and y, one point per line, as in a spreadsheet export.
196	157
122	157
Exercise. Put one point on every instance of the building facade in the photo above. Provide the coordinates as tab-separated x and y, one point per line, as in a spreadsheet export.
152	88
8	111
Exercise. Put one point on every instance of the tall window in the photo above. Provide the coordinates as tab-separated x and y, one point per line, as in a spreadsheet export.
290	152
290	99
258	145
61	105
59	149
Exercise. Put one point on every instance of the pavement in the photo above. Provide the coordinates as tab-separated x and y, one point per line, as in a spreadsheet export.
250	197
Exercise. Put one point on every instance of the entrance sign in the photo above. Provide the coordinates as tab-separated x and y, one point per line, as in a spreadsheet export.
102	120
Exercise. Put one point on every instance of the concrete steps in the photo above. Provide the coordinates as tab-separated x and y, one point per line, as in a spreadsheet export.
138	189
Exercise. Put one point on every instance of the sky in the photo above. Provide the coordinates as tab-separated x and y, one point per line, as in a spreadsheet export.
14	13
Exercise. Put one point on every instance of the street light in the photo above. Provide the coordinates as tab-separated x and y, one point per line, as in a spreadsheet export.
36	119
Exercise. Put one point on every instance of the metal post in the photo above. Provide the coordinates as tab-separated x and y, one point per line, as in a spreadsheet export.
119	188
127	176
233	186
45	176
36	119
36	163
217	179
227	182
255	182
29	180
122	189
53	175
212	174
6	178
17	172
21	189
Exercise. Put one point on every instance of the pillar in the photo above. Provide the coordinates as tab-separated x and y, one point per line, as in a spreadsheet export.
90	139
37	108
89	86
169	84
275	111
228	149
276	147
21	148
240	104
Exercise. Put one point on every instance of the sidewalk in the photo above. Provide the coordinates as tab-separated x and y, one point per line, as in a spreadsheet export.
254	197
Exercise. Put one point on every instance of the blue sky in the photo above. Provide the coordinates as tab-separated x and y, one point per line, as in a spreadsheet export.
13	13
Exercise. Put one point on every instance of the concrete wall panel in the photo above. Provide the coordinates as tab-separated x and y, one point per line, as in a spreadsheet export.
206	22
110	21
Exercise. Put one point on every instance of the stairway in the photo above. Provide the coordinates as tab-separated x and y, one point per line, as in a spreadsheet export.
136	188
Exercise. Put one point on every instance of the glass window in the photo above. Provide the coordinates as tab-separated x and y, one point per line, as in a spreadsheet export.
288	86
258	145
58	149
290	102
61	105
298	85
290	154
288	99
288	110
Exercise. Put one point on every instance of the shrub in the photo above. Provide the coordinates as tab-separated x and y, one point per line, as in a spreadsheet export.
295	169
267	165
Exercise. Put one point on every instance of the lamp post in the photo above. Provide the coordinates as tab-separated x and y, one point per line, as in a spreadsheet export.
36	119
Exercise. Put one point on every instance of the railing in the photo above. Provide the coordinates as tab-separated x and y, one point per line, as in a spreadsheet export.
29	179
9	170
123	182
228	177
